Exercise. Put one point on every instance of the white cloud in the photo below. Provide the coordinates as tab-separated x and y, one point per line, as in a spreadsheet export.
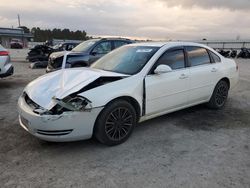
159	19
228	4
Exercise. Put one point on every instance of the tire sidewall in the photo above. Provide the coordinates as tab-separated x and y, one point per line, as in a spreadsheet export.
99	129
212	103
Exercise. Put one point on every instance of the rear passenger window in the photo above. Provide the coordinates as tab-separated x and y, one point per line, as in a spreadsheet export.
118	44
197	56
215	57
174	59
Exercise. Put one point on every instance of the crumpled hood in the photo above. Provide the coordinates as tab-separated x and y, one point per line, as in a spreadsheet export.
62	83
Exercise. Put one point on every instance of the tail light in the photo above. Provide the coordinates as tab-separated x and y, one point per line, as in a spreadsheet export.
4	53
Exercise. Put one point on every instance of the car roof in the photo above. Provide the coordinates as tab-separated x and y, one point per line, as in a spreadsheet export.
112	38
69	43
169	43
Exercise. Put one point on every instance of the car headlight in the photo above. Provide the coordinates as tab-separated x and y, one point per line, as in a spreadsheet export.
77	103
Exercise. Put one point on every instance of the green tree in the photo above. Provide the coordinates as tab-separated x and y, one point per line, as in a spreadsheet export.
25	29
41	35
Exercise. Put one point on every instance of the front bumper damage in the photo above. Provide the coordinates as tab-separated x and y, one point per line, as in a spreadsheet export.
68	126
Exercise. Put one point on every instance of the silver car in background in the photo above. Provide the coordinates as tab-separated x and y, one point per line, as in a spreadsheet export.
6	68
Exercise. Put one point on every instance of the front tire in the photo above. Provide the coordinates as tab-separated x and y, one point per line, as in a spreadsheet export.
115	123
219	96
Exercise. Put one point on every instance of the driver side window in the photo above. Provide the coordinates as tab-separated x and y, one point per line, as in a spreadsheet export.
175	59
102	48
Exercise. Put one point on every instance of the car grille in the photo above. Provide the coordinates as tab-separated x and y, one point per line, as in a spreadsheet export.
54	133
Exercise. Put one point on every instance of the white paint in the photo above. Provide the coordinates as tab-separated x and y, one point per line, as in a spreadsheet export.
5	64
165	92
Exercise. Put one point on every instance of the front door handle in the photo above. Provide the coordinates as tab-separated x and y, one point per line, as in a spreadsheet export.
213	70
183	76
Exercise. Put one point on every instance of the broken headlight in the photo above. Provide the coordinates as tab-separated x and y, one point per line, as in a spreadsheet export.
77	103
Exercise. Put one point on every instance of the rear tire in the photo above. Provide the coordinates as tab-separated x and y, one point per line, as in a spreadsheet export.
115	123
219	96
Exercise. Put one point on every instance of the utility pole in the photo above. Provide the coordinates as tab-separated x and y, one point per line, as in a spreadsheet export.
18	17
19	25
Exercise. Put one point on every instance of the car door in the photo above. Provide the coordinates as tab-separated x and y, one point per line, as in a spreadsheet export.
203	74
100	50
167	91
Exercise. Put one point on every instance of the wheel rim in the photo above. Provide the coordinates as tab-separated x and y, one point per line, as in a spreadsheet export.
221	95
118	124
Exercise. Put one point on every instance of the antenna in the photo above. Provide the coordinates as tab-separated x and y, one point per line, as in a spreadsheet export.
18	17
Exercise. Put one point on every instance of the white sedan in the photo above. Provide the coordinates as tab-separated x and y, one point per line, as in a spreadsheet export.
132	84
6	68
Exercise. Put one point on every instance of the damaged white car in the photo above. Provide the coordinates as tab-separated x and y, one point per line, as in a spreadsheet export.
129	85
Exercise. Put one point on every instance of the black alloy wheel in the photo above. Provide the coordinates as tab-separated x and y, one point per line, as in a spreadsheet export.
118	123
115	123
219	96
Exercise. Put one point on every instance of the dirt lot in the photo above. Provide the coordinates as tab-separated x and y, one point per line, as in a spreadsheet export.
196	147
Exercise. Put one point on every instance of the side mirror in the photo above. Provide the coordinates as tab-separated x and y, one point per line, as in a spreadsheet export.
160	69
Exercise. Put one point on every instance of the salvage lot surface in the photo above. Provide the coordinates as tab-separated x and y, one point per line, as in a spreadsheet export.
196	147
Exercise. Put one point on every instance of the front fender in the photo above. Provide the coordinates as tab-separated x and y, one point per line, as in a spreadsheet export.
102	95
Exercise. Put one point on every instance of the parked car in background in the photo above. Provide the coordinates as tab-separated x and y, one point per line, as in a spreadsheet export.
65	46
85	53
16	44
6	68
42	52
39	53
131	84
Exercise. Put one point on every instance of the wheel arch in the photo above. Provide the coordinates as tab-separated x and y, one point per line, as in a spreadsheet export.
212	101
226	80
132	101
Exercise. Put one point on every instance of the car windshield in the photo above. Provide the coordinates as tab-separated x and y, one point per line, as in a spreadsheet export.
126	60
84	46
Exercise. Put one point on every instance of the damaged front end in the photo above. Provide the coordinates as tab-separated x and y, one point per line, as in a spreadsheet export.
70	119
57	107
76	103
61	91
69	103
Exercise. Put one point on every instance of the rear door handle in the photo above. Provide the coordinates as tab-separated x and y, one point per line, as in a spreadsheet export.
213	70
183	76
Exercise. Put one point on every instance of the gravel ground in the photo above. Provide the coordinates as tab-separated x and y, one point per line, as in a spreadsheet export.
196	147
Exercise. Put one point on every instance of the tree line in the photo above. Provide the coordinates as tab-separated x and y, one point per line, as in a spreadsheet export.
41	35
